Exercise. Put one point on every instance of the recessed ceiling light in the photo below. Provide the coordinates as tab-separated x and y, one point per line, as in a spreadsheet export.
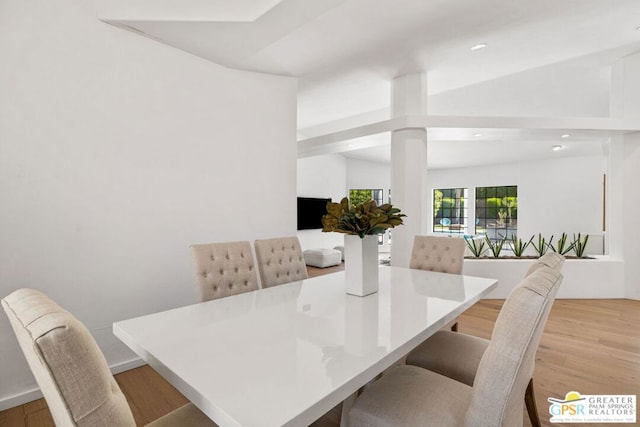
350	145
477	135
478	46
566	135
557	147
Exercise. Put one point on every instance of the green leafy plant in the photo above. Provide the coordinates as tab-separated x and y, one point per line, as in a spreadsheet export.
562	248
518	246
475	246
543	246
579	245
495	247
362	219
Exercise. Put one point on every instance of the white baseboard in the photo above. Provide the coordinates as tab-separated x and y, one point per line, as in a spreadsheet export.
35	394
127	366
20	399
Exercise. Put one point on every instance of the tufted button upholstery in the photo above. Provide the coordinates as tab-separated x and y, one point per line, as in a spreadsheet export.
223	269
280	261
436	253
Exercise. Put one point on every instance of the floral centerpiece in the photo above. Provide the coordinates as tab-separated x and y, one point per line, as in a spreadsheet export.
362	219
361	223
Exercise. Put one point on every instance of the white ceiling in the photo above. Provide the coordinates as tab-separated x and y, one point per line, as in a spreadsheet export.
346	52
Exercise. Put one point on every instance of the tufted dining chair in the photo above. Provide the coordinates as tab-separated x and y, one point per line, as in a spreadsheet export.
280	260
223	269
438	253
457	355
70	369
550	259
471	382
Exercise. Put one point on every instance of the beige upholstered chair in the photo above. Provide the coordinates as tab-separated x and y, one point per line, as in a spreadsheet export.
70	369
223	269
491	378
280	261
457	355
550	259
438	253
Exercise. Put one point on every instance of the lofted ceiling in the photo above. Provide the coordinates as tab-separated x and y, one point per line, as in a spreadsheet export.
346	52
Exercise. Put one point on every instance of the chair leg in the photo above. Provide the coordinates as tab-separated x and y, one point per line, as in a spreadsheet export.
346	407
530	402
454	327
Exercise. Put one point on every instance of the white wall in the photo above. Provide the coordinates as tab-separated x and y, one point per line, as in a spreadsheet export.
116	154
323	177
554	196
363	175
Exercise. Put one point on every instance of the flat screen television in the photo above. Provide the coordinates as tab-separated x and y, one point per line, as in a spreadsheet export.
310	212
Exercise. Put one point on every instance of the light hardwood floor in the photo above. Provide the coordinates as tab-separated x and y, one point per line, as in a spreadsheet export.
589	346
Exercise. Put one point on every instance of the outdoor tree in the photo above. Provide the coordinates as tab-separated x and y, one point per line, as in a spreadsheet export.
437	202
359	196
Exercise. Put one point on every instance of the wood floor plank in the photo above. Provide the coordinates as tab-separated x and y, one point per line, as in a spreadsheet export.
41	418
150	396
13	417
35	406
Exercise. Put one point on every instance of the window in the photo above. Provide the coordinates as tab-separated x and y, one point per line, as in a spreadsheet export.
450	211
362	195
497	211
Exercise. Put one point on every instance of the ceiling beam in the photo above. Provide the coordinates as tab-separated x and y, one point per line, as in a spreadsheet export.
332	142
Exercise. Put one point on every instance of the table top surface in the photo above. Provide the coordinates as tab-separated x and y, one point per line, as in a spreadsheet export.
285	355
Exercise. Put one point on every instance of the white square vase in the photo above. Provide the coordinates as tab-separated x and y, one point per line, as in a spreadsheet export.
361	264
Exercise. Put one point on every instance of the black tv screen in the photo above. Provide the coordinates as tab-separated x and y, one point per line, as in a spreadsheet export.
310	212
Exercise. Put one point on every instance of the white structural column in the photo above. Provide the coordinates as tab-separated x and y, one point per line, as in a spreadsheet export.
624	174
408	165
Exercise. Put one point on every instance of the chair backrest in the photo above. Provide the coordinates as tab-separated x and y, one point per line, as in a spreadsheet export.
438	253
223	269
280	261
70	369
508	363
550	259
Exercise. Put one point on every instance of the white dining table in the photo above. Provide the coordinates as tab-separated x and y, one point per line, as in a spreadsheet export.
285	355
